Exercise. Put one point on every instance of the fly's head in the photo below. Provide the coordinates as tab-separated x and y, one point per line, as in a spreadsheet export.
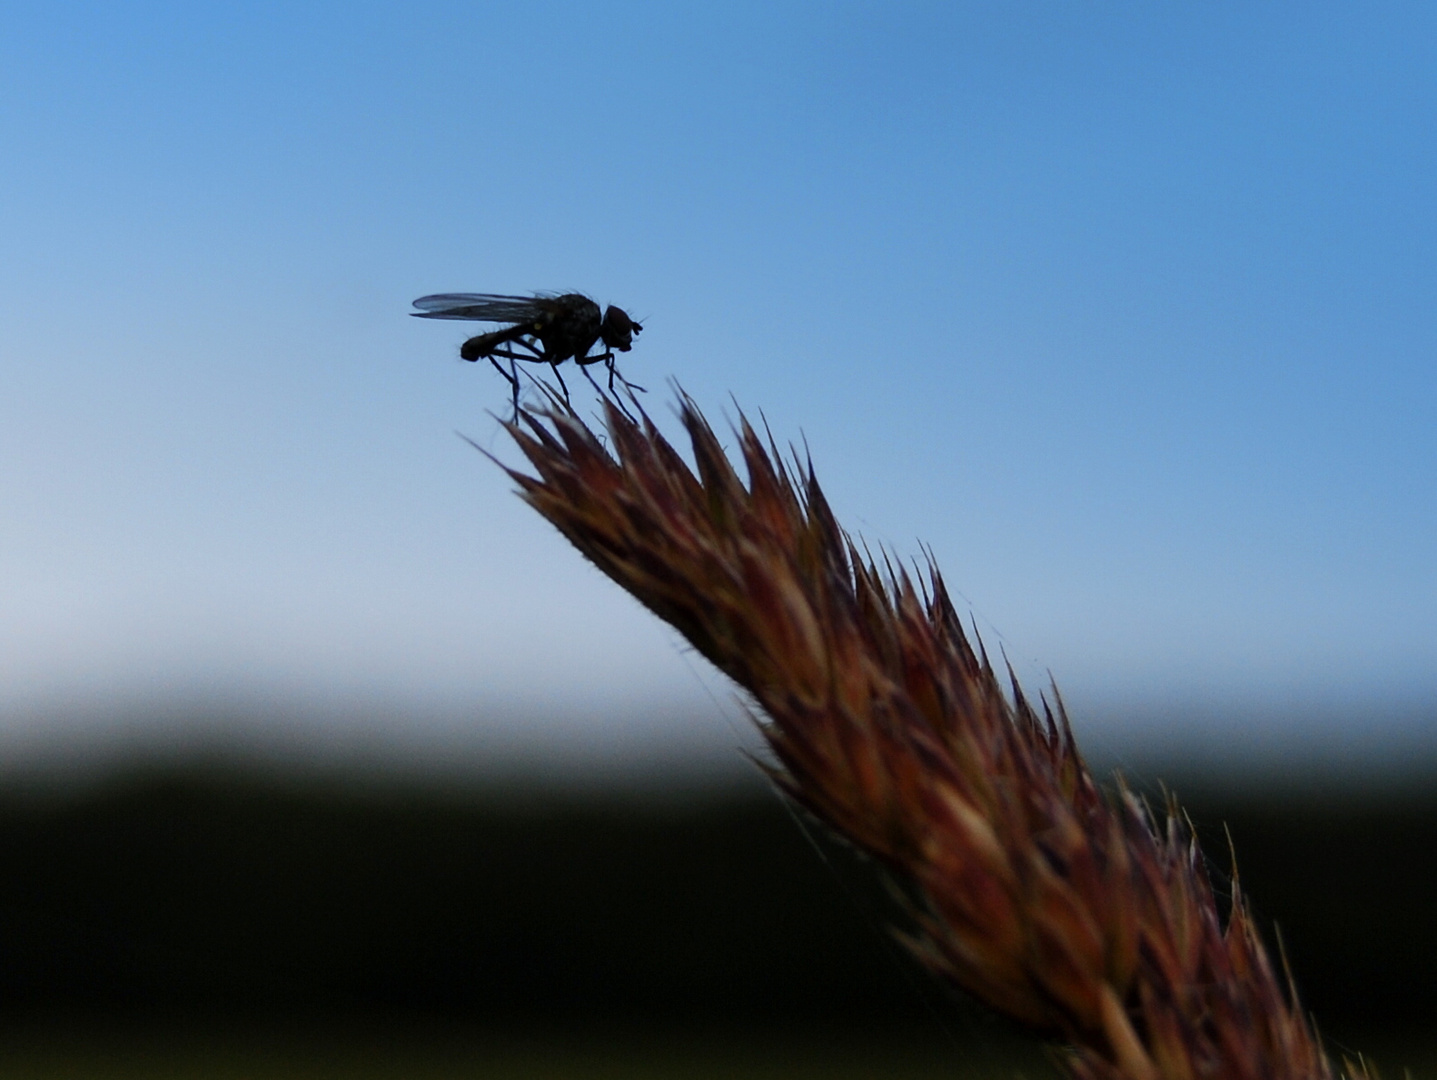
618	329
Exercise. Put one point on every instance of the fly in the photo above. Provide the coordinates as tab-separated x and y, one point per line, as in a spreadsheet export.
542	329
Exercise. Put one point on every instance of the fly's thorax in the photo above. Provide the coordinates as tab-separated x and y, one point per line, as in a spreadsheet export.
574	316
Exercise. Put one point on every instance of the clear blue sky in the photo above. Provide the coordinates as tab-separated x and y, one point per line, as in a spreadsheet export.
1127	310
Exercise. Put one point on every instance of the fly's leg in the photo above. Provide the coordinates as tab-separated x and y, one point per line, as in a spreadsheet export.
513	376
608	358
607	397
558	375
585	369
530	352
510	355
531	355
615	399
614	373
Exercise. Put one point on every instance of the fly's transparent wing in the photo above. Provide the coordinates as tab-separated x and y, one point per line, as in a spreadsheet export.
479	307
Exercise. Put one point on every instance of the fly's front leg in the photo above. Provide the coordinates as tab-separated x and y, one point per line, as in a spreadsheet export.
614	373
607	357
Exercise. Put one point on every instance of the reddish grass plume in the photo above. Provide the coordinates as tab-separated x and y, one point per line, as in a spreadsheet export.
1078	912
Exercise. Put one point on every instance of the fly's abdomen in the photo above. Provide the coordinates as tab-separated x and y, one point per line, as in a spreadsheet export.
484	344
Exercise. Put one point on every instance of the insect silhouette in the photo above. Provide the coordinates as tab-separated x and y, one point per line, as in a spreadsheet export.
543	329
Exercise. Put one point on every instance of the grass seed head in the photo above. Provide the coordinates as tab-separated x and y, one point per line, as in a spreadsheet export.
1078	914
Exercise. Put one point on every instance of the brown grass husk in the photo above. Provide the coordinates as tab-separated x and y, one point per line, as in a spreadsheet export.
1080	914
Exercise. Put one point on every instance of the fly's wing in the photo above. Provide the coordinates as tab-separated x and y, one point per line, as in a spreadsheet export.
480	307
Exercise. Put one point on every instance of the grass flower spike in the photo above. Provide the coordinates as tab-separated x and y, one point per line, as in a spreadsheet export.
1080	914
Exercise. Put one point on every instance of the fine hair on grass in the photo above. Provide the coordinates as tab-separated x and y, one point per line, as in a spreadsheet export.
1080	913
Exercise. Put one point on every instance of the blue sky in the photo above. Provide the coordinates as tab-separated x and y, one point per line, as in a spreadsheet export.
1127	310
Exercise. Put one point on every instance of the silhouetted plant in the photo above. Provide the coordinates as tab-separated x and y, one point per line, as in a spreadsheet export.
1078	913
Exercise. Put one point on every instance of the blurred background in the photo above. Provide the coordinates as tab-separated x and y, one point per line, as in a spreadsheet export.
321	749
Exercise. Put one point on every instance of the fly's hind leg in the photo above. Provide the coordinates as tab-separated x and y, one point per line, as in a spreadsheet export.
565	386
513	376
508	353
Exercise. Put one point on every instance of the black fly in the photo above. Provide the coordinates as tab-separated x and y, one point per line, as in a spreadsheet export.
543	329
